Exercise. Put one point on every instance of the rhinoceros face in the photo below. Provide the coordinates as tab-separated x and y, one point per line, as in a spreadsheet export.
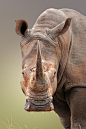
40	61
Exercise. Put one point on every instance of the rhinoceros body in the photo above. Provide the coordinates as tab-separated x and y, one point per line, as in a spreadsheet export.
54	65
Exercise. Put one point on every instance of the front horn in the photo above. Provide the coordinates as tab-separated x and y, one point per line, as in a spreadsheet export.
39	68
40	82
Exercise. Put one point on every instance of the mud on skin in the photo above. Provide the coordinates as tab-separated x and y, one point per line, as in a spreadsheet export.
54	65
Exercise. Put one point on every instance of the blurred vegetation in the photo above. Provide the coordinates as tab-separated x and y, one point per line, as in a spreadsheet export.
9	125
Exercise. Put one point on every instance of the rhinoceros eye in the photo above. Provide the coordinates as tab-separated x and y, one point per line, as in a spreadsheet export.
54	73
23	73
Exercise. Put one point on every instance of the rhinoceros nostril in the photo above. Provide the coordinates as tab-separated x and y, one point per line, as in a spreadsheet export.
27	106
51	106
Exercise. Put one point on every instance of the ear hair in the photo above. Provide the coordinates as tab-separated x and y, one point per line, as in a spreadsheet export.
21	27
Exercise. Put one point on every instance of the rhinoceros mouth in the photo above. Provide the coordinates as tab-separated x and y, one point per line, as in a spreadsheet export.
38	103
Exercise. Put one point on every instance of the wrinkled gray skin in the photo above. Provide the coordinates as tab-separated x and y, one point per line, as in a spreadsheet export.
54	65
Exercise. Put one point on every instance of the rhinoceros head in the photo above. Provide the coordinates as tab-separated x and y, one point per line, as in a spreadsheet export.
41	56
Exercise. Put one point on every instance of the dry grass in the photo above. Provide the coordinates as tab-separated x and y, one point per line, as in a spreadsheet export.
80	126
10	125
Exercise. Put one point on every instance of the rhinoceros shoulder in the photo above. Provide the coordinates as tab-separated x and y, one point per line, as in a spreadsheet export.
76	65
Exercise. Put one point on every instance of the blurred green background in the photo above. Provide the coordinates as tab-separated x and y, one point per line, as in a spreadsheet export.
12	100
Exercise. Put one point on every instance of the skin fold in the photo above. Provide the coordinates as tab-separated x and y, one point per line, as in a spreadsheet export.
54	65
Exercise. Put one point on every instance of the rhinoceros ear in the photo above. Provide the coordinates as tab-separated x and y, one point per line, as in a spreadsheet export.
21	27
59	29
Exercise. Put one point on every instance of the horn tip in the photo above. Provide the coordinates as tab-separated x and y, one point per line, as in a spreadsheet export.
38	43
38	46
